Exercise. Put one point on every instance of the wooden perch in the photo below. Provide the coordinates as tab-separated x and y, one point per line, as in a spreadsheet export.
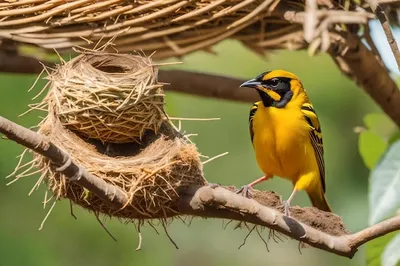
204	201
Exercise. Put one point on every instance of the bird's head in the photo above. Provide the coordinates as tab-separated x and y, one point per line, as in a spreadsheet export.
276	88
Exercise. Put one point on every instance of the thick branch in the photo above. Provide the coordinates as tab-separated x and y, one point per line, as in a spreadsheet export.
202	84
14	63
207	85
34	141
360	64
222	203
203	201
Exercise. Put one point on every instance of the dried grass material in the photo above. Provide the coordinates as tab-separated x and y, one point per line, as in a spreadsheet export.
173	27
110	97
150	173
122	93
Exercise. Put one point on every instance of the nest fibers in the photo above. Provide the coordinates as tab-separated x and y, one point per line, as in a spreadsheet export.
149	170
110	98
178	27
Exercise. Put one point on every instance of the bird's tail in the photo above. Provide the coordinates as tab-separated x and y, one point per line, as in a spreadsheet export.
319	201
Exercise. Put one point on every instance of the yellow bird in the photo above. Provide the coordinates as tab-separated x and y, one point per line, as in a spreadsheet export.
286	136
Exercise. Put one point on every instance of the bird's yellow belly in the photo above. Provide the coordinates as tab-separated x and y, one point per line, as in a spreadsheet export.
281	143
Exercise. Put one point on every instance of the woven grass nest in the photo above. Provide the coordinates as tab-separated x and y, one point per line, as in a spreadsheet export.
93	94
149	168
179	27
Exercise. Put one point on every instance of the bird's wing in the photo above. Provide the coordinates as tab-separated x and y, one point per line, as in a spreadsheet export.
316	138
253	111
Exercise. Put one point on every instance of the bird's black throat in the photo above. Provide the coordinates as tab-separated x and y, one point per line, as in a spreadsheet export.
267	100
280	85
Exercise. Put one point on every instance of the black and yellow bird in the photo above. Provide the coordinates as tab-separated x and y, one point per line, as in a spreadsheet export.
286	136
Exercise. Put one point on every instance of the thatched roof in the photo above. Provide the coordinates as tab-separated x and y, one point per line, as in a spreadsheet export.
178	27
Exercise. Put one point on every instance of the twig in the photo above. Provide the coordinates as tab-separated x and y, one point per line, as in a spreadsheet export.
247	236
215	157
262	238
103	226
139	246
370	42
380	14
71	208
310	21
152	226
169	237
47	215
299	247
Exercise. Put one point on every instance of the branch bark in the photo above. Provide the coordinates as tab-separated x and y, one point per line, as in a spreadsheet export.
357	62
203	201
14	63
111	195
207	85
383	19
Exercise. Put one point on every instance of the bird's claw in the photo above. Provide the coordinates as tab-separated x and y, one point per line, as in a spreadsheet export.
286	206
246	191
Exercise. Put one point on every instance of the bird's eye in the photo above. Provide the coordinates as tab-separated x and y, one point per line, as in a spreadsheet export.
274	82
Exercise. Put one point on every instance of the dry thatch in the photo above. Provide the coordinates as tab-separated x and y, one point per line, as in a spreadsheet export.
149	169
93	94
178	27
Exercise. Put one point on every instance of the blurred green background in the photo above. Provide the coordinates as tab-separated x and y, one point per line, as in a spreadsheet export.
66	241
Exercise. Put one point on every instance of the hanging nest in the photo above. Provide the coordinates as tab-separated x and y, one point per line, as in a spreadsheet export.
178	27
149	169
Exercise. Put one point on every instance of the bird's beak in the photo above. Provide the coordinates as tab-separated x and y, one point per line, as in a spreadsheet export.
252	83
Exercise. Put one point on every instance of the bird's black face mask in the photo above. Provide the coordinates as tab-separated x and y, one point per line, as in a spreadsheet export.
274	92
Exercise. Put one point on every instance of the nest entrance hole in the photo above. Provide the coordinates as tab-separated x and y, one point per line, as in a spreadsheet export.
130	148
114	64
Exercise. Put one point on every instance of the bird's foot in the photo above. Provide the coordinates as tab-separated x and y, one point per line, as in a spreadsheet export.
246	191
286	206
213	185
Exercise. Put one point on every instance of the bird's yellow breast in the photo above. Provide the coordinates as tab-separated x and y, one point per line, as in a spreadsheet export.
281	142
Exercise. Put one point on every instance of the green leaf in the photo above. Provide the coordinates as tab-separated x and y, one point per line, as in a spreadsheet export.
375	248
380	124
391	254
371	148
384	183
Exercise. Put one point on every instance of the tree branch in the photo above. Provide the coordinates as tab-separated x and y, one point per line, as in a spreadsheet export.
222	203
36	142
380	14
14	63
205	201
207	85
360	64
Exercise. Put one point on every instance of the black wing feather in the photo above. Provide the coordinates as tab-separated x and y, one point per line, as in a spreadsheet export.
316	138
253	111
